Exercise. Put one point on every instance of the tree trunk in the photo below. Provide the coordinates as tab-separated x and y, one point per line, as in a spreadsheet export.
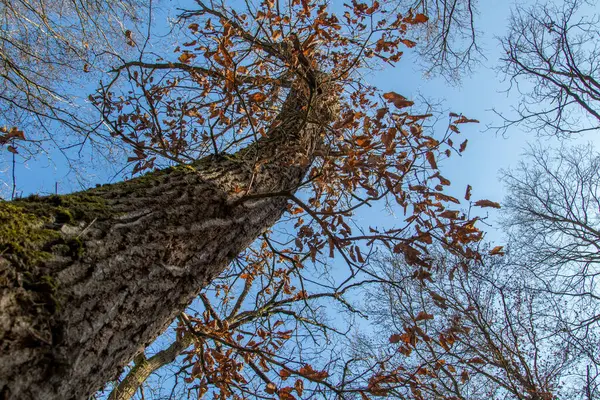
88	280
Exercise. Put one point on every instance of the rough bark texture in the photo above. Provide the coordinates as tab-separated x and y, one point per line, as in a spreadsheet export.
90	279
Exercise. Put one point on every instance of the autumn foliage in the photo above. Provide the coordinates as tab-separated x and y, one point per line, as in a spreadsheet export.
222	90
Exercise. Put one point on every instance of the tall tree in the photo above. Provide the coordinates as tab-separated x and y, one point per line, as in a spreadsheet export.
261	330
274	93
552	59
448	43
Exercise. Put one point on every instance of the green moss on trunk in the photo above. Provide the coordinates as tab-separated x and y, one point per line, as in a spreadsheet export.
23	234
31	234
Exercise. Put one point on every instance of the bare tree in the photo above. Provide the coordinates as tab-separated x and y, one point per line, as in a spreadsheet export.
553	206
475	331
552	214
521	323
45	46
552	58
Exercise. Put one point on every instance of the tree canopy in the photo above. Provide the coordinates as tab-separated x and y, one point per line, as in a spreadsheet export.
256	149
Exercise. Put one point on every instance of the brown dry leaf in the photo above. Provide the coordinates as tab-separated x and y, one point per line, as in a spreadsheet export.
476	360
422	316
395	338
468	193
310	373
284	374
465	120
421	18
450	214
186	57
129	38
13	133
409	338
299	386
498	250
431	159
363	141
435	296
359	254
381	113
408	43
464	376
398	100
271	388
258	97
425	238
487	203
286	393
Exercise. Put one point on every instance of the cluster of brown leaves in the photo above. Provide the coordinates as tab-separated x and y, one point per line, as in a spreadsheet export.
252	317
10	136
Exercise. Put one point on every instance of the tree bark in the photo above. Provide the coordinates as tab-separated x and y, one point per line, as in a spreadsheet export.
90	279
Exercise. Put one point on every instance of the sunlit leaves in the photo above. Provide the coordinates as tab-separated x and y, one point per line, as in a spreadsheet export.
129	38
271	388
10	136
12	133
